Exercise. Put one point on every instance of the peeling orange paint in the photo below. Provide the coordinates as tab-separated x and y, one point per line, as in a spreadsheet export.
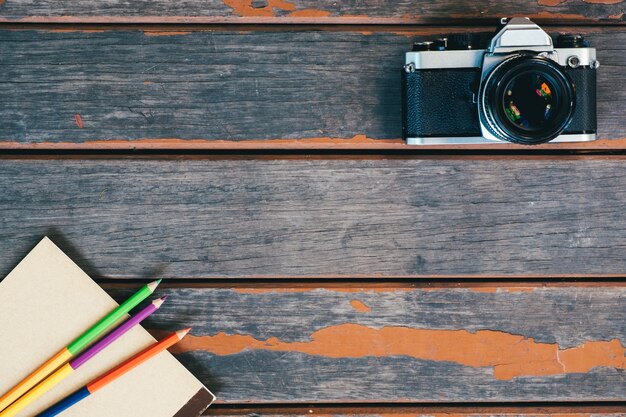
510	356
244	8
78	120
550	3
585	357
360	306
310	13
616	16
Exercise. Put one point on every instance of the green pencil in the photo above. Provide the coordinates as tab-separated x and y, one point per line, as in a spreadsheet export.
77	345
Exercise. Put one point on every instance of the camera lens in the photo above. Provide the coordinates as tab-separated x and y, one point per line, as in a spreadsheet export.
530	100
527	99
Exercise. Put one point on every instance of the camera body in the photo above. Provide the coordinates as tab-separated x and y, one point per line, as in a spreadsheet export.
514	86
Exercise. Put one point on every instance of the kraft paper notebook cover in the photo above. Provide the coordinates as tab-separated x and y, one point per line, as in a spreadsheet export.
46	302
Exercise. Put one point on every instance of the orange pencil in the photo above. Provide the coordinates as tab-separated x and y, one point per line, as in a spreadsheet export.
114	373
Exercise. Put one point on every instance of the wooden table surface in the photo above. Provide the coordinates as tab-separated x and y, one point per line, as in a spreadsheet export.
249	152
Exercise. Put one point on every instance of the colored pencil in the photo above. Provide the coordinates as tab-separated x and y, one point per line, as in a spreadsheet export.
77	345
67	369
114	374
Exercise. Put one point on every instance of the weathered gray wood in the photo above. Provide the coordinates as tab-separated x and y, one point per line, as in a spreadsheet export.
256	412
277	11
81	87
424	411
401	345
320	217
434	413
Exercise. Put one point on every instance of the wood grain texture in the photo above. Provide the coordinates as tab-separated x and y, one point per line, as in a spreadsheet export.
433	412
413	345
253	412
596	410
317	11
398	217
126	89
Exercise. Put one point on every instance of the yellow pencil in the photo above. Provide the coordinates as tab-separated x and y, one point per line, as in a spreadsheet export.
39	390
77	345
67	369
32	379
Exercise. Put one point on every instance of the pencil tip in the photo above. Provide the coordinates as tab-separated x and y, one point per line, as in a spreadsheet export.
152	286
159	301
183	333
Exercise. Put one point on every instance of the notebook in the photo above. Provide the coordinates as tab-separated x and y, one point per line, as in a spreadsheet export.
45	303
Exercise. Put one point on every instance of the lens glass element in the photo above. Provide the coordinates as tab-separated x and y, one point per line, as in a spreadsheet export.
531	100
526	99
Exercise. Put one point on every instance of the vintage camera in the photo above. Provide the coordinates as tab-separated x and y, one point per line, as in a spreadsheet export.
514	86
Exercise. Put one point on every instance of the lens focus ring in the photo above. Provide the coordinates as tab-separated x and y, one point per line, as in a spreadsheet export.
526	99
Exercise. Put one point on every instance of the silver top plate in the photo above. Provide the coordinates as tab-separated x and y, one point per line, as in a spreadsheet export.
445	59
474	58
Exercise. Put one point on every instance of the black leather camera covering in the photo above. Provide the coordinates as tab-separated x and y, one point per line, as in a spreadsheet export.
438	102
584	118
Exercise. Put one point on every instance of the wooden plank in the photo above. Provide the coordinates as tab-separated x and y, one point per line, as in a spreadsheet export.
467	412
252	412
224	89
308	11
330	217
351	344
596	410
